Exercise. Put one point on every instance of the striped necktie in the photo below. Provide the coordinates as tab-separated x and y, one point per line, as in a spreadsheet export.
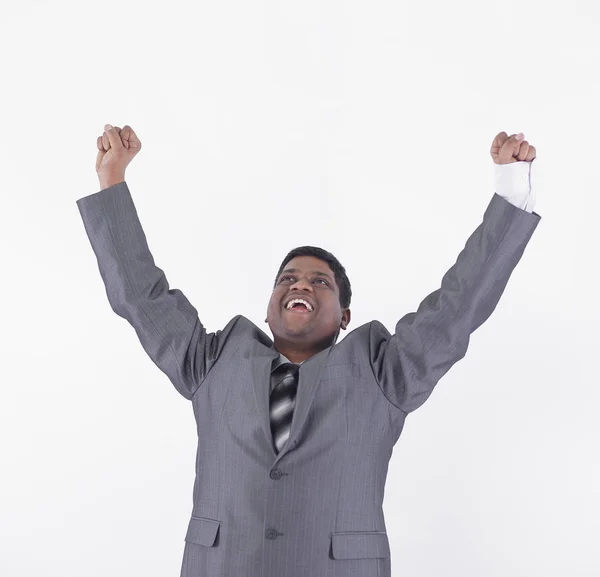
282	400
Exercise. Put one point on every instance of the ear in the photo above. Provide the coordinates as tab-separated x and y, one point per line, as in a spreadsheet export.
345	319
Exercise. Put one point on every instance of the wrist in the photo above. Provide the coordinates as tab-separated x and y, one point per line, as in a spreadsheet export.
108	180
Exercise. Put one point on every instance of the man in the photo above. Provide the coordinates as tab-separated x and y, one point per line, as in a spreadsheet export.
295	433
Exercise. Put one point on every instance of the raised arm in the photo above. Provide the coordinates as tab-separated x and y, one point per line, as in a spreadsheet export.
428	342
166	323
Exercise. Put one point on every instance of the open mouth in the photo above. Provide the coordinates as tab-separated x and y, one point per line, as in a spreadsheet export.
299	306
298	309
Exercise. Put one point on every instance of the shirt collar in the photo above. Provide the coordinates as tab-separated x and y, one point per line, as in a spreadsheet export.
281	360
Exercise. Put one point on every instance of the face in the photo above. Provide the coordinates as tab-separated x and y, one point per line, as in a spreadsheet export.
309	278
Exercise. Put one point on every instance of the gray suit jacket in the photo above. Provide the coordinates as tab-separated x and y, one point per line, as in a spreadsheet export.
315	509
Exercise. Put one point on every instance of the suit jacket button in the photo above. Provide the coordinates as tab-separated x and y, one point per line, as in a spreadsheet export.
271	534
275	474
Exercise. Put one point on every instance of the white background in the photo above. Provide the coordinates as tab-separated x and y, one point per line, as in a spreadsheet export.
360	127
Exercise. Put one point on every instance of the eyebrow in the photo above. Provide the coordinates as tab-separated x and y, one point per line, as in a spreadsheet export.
319	272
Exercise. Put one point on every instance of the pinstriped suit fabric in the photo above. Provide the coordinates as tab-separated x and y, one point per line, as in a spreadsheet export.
315	508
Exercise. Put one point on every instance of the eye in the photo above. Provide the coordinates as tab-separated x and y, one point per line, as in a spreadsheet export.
288	276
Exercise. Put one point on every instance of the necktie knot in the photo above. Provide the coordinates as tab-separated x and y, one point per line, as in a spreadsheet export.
287	376
291	368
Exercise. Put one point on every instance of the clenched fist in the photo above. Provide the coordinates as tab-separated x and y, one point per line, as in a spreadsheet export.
506	149
116	149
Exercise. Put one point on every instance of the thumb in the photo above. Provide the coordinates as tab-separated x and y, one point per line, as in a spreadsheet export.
113	137
510	148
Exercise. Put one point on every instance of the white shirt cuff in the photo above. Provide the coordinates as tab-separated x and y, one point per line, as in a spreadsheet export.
513	182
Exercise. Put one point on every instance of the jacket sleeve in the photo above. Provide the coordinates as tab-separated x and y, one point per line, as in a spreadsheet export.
427	343
166	323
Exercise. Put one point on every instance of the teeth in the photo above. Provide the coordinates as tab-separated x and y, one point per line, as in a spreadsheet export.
291	304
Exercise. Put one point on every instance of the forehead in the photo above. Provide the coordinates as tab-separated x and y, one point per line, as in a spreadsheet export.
309	265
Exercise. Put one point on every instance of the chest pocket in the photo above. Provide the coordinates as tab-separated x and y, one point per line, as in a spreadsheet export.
345	371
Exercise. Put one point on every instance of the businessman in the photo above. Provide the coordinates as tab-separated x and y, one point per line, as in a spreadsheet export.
295	433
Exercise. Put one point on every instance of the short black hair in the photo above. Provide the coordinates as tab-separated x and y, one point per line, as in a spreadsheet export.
338	270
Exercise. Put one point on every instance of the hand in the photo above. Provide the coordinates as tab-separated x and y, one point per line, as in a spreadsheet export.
507	149
116	149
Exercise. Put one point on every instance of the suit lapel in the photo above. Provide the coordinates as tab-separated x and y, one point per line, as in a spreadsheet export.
261	357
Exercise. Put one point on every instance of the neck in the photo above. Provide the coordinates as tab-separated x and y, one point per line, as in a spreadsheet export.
297	352
295	356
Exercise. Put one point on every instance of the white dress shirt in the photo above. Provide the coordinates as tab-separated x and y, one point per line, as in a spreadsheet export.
513	182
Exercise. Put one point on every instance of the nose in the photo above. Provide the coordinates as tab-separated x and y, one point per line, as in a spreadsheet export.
301	284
